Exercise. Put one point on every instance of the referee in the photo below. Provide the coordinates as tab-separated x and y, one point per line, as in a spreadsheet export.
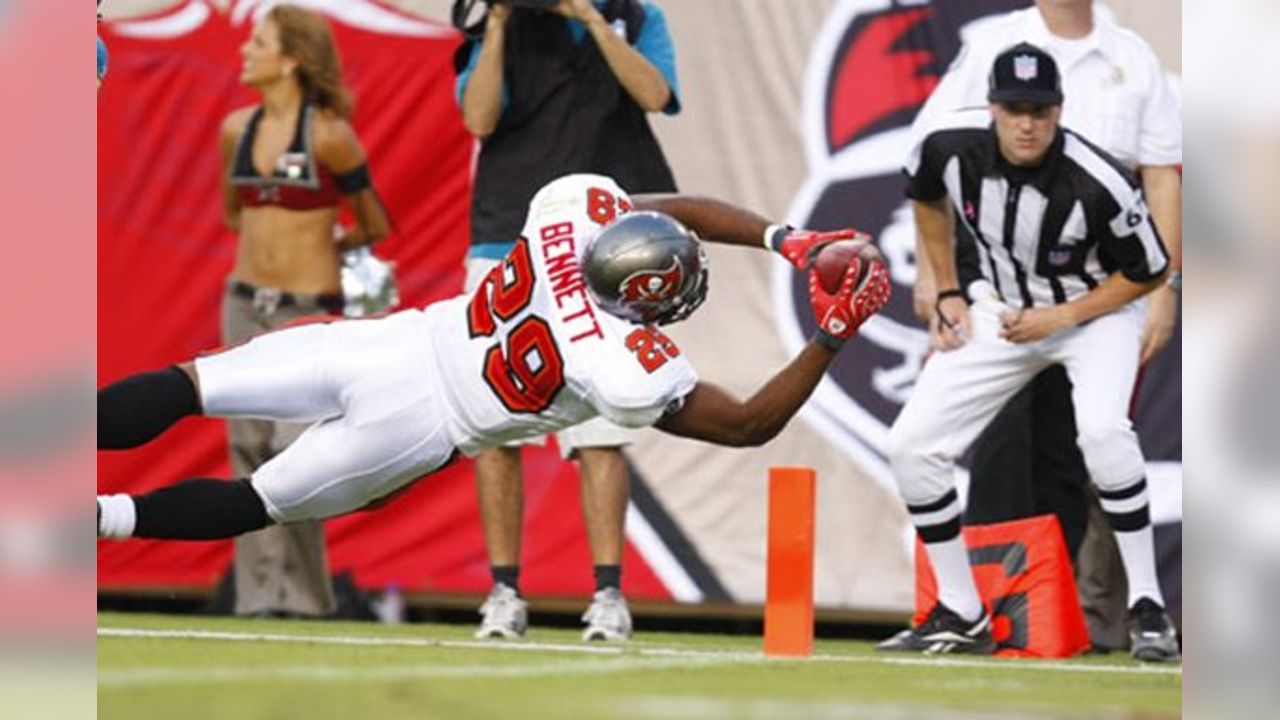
1064	246
1027	462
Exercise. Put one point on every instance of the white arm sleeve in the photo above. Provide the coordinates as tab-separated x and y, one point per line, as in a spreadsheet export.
1160	137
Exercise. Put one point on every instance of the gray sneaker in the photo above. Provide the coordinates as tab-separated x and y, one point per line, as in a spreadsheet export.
504	614
608	617
1152	637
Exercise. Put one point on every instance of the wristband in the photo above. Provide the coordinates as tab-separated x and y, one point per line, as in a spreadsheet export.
937	304
774	235
827	340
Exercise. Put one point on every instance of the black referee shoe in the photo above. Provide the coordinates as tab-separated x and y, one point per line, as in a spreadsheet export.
1152	637
943	631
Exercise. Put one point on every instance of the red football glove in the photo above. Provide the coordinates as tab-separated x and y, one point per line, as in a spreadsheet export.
839	316
800	247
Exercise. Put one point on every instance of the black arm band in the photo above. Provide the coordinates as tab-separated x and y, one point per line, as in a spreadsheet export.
774	235
353	181
943	295
828	341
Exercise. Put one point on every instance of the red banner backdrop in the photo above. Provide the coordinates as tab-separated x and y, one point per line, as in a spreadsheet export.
163	255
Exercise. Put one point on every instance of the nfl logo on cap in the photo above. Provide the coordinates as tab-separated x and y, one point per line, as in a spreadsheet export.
1024	73
1025	67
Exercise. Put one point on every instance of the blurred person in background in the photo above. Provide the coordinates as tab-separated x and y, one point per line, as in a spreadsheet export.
288	162
1118	97
547	93
103	62
1067	245
1232	407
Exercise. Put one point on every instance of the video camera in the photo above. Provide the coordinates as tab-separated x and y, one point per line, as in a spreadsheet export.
468	15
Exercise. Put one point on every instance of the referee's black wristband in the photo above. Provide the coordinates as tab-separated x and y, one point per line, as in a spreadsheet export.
828	341
943	295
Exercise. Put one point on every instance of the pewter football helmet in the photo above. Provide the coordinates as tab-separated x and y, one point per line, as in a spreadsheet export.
647	268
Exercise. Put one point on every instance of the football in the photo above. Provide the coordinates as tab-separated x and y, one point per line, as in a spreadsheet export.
832	262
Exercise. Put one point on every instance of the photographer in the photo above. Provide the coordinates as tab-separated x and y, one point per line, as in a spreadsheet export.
553	88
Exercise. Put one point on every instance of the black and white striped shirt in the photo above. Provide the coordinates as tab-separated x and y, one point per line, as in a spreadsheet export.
1041	236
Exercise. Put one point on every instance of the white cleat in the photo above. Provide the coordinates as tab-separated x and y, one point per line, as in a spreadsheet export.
504	614
608	617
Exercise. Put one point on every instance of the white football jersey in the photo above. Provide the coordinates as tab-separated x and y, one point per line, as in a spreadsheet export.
529	352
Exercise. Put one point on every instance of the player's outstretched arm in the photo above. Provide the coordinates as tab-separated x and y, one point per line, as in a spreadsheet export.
709	413
713	220
720	222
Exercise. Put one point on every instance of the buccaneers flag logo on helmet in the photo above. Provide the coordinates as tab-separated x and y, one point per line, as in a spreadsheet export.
653	285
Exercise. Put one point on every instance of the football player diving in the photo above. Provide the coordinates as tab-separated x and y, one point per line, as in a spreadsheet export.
564	329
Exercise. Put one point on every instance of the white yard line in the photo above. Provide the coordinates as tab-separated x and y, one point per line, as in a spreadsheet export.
356	640
638	650
160	675
697	707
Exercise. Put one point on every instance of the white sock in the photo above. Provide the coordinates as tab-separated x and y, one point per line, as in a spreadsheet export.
956	588
119	516
1138	553
1129	512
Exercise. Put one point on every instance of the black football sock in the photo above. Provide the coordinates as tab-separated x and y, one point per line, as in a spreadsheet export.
508	575
200	509
139	408
608	576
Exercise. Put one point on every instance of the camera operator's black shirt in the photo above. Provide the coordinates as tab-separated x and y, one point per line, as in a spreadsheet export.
566	113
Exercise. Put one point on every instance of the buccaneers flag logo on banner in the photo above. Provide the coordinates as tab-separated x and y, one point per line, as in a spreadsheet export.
874	64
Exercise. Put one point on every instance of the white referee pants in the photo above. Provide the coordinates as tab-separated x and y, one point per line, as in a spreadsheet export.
961	391
370	392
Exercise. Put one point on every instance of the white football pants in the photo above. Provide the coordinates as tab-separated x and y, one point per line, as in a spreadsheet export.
368	387
959	392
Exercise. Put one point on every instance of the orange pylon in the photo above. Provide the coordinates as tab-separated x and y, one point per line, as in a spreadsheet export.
788	606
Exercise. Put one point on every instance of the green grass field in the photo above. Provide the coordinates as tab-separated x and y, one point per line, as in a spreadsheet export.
196	668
